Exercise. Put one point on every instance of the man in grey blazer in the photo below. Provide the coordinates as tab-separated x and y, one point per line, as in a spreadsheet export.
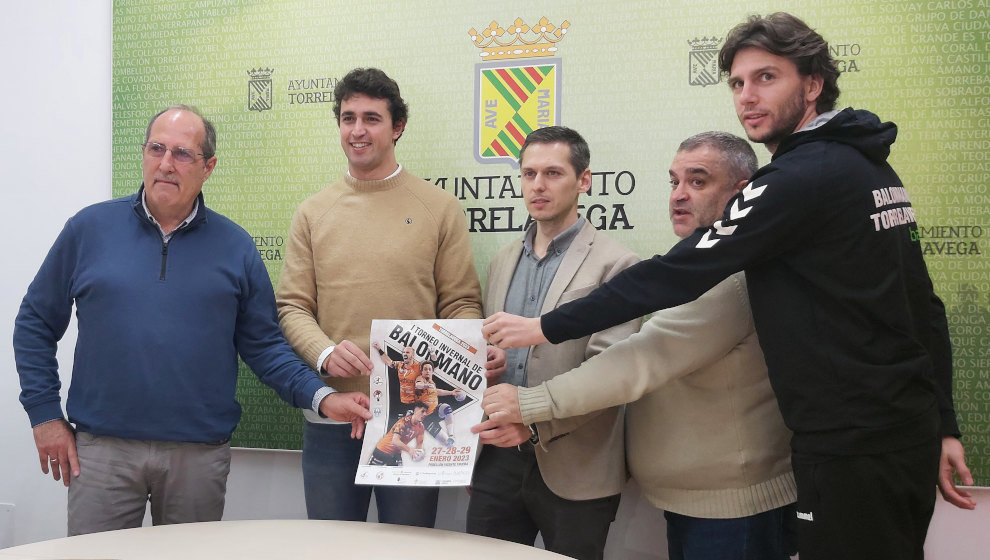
567	488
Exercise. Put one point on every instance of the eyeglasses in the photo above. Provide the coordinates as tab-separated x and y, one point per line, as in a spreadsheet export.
181	155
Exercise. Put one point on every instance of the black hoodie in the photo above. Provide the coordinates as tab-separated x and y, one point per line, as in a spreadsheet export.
855	339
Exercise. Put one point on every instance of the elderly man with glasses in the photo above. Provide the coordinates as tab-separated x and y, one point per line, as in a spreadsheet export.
167	293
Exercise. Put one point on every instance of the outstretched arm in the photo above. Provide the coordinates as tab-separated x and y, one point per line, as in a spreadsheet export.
673	343
388	361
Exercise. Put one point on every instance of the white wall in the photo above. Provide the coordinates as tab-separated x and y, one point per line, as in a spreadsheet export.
55	159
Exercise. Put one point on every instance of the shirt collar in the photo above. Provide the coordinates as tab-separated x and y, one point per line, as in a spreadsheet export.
147	212
558	244
394	173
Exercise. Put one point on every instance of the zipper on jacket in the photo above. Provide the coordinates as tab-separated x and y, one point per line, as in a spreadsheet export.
164	258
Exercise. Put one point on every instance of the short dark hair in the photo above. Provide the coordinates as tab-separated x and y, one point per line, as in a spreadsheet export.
785	35
580	153
209	145
738	154
375	84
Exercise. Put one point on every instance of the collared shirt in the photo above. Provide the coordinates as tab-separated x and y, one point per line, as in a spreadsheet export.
528	290
166	237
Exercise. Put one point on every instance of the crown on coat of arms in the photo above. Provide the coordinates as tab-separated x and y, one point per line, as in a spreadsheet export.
518	40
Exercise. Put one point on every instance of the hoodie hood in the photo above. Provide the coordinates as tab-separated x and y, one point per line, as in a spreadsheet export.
860	129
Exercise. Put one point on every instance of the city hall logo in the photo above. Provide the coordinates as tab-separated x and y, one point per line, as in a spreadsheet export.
516	88
260	89
703	62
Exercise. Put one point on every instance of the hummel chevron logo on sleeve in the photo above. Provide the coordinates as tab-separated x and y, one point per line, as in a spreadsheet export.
749	193
735	213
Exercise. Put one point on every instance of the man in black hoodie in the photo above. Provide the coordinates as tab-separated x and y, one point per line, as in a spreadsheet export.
856	341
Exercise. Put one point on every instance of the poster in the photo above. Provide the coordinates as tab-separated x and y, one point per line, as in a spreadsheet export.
426	390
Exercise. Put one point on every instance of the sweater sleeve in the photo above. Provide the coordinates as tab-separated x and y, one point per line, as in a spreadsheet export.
262	346
766	218
597	343
458	289
41	322
673	343
296	297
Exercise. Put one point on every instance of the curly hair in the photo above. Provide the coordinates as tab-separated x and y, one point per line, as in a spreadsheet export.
785	35
375	84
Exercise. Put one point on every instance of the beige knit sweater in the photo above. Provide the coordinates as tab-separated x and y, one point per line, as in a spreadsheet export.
706	438
360	250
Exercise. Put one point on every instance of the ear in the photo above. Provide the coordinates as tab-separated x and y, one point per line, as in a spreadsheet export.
210	164
740	185
584	181
397	129
813	88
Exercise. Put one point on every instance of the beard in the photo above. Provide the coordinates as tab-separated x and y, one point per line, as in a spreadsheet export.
785	123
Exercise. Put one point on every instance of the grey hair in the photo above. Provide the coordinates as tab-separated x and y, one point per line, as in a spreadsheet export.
209	145
739	155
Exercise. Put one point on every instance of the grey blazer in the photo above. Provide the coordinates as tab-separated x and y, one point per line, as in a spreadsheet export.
588	461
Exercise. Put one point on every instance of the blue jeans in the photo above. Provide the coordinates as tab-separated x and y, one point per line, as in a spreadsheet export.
330	460
766	536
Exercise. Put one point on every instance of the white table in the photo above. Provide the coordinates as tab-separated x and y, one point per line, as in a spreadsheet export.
281	539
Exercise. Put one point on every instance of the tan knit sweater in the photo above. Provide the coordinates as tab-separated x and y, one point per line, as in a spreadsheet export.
360	250
706	438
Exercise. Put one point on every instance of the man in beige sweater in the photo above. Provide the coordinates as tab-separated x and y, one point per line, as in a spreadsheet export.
705	440
377	244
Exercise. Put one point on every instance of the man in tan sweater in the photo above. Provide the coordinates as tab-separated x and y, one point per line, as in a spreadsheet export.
705	440
377	244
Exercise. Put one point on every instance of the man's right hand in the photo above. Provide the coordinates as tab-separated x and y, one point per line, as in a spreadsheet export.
501	404
512	331
57	449
347	360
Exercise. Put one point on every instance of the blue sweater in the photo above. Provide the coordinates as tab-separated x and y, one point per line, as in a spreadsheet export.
160	327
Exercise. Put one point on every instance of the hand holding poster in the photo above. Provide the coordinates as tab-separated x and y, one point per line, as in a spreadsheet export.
426	392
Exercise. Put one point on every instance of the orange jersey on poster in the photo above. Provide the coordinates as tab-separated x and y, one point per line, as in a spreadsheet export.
407	430
428	394
407	381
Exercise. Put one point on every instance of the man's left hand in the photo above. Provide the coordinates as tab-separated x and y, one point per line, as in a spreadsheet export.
501	404
507	435
954	459
495	366
347	407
